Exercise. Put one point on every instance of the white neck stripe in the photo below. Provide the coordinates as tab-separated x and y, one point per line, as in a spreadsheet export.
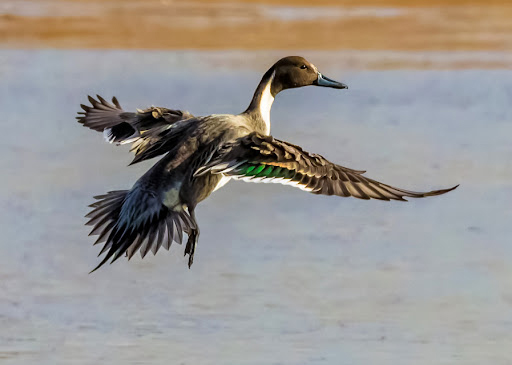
266	101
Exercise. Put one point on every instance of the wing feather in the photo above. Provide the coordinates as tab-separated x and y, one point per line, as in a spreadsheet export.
147	129
261	158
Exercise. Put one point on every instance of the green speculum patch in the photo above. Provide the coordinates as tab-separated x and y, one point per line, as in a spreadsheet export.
262	170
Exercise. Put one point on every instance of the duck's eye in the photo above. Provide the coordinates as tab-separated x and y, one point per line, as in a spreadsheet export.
303	67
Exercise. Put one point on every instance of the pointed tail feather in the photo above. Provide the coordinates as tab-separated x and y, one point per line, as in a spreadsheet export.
135	220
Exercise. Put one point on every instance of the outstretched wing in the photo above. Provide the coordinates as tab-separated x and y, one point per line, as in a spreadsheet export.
260	158
122	127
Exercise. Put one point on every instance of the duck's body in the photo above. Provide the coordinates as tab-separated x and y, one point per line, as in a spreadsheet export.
201	155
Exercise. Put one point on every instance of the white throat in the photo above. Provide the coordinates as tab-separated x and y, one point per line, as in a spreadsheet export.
266	103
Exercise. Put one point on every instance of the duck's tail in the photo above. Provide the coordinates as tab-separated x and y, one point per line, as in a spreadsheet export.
128	221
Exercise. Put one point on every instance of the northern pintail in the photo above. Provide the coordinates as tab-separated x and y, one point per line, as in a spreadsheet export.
204	153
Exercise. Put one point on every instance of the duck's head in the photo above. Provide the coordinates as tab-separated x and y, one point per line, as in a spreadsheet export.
289	72
295	71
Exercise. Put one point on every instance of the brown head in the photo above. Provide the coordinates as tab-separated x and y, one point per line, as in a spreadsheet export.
289	72
295	71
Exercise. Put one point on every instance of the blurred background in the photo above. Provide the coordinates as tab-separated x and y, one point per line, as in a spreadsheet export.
280	276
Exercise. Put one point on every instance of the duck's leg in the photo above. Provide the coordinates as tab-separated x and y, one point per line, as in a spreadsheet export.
192	239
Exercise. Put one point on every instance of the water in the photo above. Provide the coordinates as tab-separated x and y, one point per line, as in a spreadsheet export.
280	276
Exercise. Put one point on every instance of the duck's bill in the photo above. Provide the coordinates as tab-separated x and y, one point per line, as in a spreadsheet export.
327	82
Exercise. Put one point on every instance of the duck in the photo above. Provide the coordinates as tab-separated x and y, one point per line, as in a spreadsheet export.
200	155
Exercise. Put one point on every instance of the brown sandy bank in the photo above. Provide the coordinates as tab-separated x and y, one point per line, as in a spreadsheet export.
374	25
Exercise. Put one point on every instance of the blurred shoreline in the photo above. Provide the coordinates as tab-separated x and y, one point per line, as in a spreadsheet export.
402	27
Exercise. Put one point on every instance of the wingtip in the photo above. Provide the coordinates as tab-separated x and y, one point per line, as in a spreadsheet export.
116	102
450	189
102	100
442	191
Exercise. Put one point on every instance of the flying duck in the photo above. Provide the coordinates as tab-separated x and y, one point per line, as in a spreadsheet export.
201	154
